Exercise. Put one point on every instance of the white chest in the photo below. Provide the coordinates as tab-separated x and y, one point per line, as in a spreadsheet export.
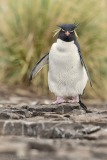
64	56
66	75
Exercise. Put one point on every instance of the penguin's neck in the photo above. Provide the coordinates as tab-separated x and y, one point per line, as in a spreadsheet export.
63	45
60	41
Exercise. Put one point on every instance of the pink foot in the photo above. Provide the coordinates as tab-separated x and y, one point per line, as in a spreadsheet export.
59	100
74	99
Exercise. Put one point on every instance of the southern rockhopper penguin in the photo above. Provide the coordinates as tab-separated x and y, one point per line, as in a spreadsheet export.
68	74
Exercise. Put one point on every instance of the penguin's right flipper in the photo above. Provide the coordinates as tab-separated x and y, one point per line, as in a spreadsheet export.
39	65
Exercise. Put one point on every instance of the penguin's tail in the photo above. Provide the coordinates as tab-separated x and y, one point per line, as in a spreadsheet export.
82	105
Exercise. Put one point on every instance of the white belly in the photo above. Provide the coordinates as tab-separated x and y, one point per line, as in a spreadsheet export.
66	76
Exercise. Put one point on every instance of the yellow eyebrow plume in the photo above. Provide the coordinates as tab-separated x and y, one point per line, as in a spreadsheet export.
56	32
75	33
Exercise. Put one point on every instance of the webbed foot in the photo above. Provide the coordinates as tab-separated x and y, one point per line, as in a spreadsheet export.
74	100
59	100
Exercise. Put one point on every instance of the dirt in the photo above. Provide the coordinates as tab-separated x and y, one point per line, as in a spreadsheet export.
35	129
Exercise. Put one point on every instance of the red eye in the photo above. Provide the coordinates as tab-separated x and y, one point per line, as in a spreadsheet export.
62	30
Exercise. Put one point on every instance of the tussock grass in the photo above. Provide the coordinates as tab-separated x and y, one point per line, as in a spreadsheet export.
26	34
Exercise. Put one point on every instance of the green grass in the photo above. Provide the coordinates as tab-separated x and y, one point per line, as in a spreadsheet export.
26	34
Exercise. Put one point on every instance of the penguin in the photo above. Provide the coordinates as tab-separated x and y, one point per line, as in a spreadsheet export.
68	73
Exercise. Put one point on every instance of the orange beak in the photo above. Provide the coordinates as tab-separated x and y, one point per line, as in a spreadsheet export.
67	33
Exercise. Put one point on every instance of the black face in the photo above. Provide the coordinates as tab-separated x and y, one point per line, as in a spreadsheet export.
67	32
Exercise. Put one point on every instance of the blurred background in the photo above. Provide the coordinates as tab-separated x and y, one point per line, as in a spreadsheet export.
26	34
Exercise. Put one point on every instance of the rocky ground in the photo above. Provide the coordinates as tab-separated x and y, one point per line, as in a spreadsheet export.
38	130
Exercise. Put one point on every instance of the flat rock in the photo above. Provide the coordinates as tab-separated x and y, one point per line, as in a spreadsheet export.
56	132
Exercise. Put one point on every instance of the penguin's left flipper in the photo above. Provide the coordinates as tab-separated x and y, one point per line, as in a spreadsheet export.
83	62
39	65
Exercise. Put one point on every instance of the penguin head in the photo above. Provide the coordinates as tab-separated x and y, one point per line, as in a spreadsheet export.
67	32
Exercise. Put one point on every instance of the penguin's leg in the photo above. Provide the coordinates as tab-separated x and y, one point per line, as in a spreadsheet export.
74	99
59	100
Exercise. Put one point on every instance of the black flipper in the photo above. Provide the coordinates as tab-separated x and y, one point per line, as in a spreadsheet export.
83	62
39	65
